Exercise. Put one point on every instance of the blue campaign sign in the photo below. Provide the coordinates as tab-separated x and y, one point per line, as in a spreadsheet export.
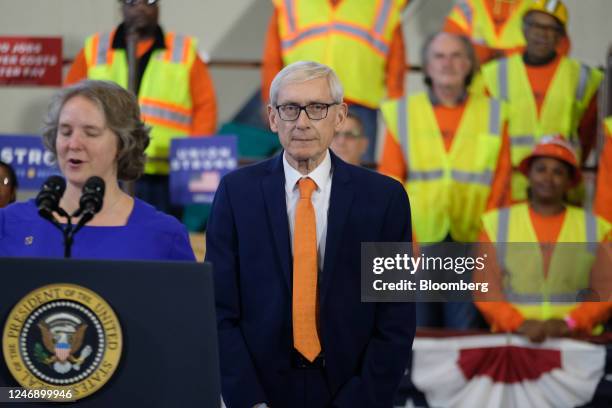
32	162
197	165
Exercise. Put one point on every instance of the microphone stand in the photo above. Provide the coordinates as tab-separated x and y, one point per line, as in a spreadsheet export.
70	230
67	232
132	60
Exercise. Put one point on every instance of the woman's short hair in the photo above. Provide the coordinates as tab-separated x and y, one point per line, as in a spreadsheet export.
469	49
303	71
122	116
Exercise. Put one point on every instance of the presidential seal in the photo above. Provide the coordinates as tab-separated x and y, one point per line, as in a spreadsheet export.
62	336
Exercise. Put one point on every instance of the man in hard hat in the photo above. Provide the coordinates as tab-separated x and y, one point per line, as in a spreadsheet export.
547	93
493	26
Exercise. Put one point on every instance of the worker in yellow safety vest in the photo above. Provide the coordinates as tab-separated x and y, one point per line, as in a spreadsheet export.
361	40
174	88
546	93
450	149
493	26
548	253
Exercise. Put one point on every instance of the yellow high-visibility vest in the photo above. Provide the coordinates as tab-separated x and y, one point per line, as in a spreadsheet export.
353	39
164	95
608	125
566	101
474	18
448	191
525	285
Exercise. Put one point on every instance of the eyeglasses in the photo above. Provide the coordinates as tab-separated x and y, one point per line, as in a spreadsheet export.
133	2
5	181
314	111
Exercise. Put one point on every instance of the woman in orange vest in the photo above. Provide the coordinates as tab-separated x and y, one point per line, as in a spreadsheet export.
552	169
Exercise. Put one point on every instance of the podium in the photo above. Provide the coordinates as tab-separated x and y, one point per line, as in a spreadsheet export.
165	310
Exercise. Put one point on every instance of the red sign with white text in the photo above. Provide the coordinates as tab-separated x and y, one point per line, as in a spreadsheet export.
31	61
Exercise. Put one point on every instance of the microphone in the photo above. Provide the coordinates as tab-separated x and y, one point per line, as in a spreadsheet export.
49	196
91	199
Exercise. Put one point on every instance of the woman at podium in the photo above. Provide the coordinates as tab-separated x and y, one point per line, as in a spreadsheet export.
94	129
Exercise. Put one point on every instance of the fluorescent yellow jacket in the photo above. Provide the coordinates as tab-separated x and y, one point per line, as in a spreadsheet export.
566	101
448	191
473	17
534	294
164	95
354	39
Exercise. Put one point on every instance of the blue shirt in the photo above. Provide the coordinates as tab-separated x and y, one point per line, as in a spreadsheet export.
148	235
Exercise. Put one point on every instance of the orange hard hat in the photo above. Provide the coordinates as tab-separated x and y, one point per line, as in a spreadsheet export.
558	148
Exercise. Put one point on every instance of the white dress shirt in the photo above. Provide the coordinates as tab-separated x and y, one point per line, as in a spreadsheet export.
322	176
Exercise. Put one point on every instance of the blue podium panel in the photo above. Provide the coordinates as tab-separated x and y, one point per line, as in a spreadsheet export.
165	311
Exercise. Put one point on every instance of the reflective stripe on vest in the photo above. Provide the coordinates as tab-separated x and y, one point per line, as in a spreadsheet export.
383	17
159	111
467	12
402	127
568	96
538	299
360	32
103	47
479	25
290	15
502	79
590	223
582	82
569	272
164	95
448	189
340	28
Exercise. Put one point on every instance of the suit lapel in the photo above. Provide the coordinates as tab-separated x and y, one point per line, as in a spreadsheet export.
339	207
273	186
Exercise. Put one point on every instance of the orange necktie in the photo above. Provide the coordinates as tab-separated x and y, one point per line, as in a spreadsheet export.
305	336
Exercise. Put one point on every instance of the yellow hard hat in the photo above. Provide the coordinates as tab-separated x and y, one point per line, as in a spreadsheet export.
555	8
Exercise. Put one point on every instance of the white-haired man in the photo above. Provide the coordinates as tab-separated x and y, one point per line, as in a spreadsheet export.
284	238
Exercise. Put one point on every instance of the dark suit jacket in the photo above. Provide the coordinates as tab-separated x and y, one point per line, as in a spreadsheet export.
366	345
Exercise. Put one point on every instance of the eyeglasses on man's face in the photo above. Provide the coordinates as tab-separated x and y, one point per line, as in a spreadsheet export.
133	2
314	111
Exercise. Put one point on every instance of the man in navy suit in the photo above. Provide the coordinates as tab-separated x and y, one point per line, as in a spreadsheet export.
358	351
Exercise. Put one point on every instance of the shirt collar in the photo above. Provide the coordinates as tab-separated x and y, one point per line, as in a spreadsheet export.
321	174
120	43
435	101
